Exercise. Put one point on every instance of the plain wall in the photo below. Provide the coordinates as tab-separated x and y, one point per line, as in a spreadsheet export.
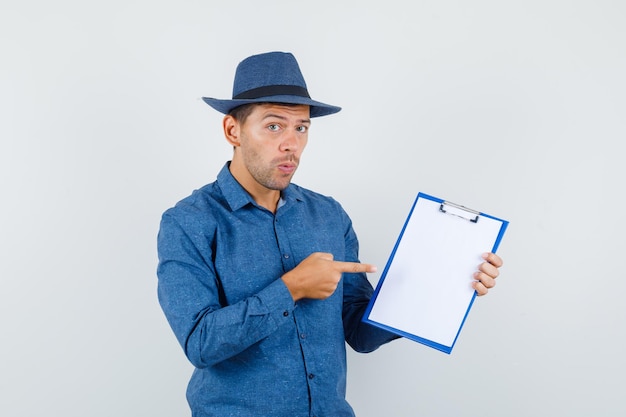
514	108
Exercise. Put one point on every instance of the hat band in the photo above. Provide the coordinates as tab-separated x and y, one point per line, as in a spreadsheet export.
273	90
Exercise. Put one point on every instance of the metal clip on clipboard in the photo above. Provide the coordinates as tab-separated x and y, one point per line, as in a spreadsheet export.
459	211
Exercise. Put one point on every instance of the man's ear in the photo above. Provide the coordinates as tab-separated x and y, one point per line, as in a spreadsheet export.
232	129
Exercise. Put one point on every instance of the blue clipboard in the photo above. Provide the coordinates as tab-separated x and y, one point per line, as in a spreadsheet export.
424	293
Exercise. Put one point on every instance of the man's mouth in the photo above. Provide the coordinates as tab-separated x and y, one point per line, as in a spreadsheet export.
287	168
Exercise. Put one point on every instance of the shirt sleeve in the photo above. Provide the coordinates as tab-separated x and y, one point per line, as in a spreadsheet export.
357	291
190	296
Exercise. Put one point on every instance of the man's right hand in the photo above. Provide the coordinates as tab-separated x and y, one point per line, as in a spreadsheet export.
317	276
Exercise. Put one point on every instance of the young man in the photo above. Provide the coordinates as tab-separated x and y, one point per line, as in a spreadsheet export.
259	278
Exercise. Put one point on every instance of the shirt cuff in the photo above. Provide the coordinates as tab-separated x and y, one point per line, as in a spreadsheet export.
278	301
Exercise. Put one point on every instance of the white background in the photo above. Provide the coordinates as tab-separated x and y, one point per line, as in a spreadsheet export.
513	108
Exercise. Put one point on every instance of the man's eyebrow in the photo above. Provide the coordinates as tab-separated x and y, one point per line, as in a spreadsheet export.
276	116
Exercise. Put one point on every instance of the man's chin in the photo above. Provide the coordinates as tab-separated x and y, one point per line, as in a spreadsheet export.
281	185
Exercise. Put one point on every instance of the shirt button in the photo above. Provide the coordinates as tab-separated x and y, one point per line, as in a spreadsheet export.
285	313
286	256
311	376
302	336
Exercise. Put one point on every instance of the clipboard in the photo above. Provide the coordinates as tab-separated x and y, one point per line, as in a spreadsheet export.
424	293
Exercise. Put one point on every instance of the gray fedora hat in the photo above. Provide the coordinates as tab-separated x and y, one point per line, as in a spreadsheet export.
272	77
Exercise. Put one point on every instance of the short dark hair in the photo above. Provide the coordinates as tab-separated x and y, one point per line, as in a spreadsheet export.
241	113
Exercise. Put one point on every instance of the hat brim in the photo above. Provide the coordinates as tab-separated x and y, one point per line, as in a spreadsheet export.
317	108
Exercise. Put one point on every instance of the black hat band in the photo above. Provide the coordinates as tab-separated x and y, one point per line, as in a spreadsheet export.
273	90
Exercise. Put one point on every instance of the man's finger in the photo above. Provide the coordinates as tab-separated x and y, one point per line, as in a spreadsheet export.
493	259
354	267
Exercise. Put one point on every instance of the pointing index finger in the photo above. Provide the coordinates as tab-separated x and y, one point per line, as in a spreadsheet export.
354	267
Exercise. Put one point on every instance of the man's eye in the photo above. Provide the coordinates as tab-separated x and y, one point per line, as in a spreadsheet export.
273	127
301	129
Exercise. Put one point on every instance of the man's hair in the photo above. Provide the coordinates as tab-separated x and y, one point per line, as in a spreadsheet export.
241	113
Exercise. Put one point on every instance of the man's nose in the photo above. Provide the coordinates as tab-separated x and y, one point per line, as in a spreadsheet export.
289	142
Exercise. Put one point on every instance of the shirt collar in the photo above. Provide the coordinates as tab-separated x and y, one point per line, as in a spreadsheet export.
237	196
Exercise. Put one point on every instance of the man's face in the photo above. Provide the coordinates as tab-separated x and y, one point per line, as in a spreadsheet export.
271	141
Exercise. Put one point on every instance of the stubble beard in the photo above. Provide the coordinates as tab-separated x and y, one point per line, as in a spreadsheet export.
267	174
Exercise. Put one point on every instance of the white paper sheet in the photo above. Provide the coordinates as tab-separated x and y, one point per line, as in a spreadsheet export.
425	290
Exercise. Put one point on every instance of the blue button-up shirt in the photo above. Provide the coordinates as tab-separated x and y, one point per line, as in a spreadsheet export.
255	351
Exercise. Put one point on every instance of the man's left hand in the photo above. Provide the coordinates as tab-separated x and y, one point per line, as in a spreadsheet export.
487	273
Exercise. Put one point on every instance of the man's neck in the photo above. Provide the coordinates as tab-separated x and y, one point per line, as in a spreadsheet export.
263	196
